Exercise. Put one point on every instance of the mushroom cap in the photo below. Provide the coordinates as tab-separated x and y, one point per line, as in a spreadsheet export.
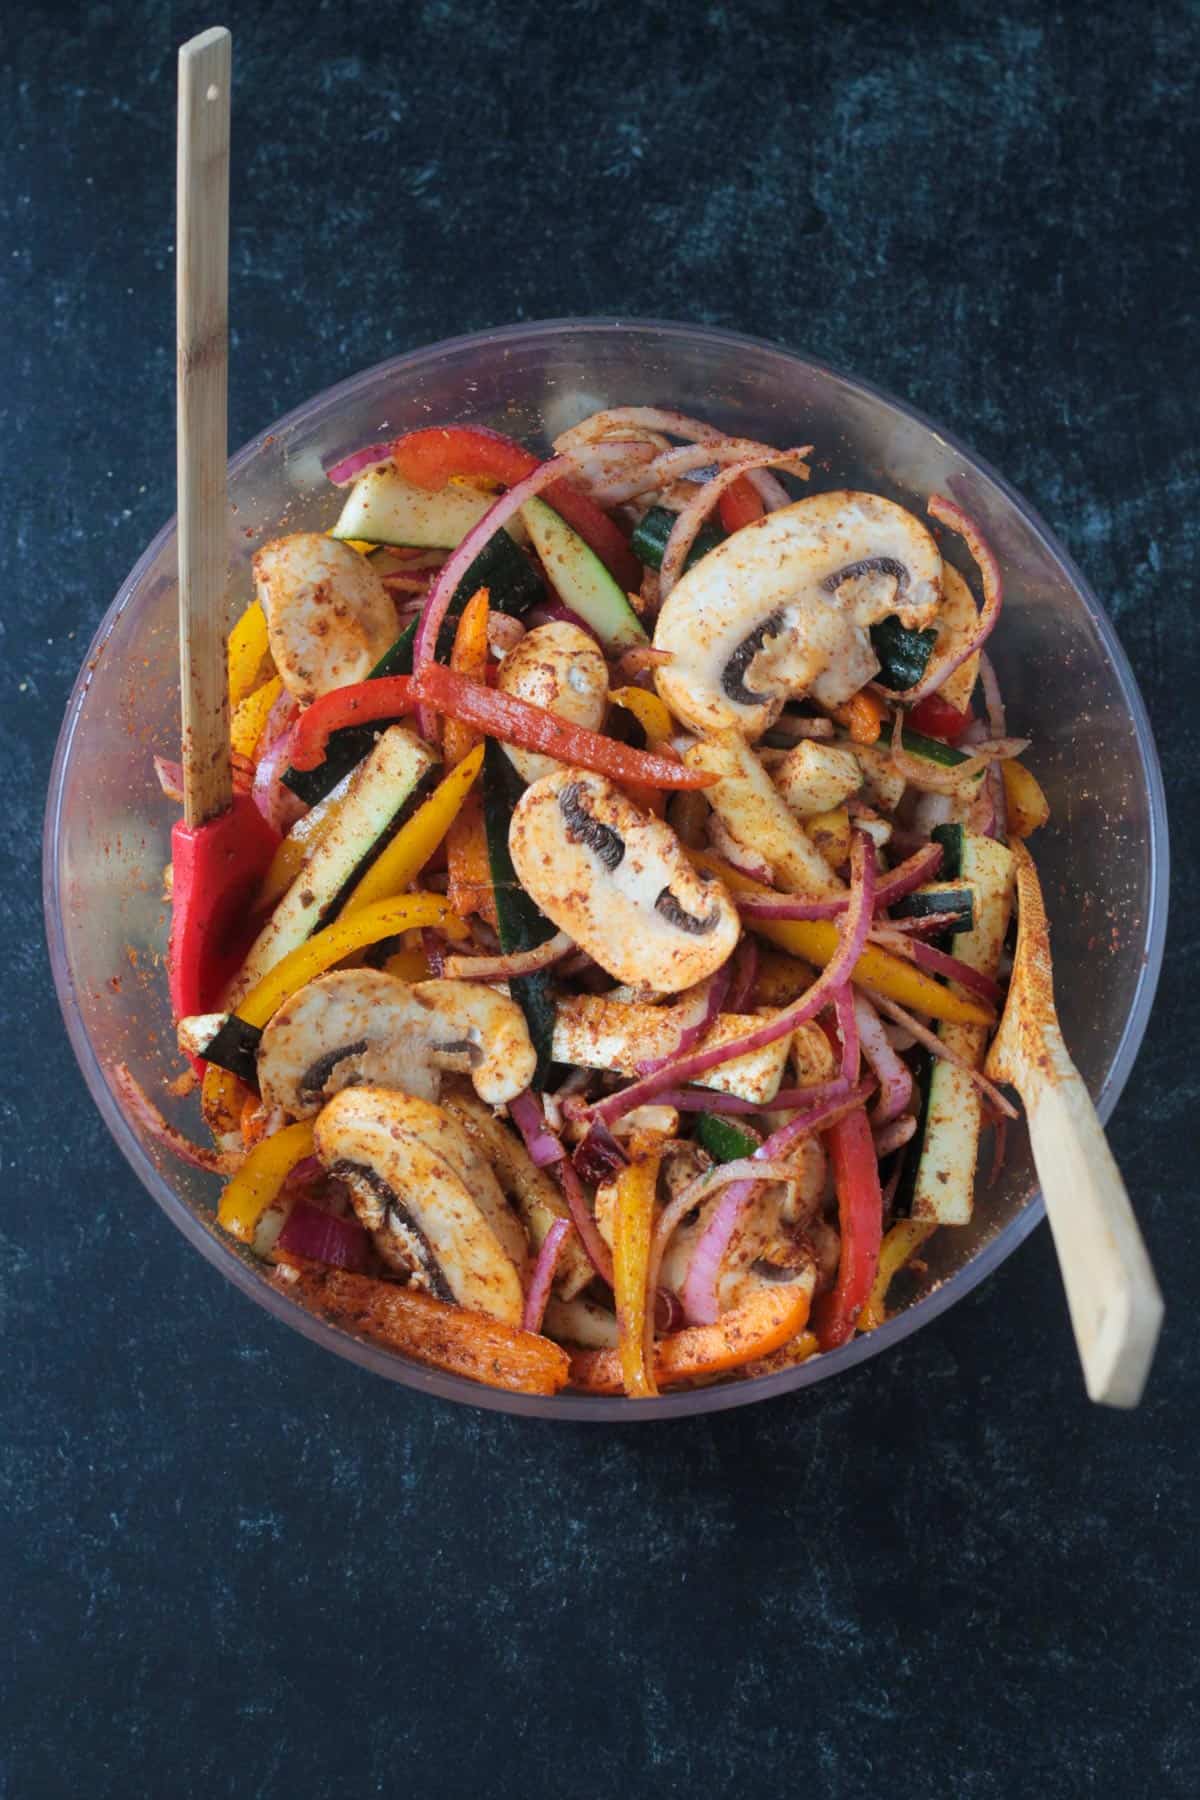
782	608
329	616
560	667
415	1176
363	1025
619	882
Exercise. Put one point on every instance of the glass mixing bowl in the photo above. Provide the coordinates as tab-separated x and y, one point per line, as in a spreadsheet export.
1103	858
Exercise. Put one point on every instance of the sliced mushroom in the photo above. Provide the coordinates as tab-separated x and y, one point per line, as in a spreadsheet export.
362	1025
329	616
560	667
431	1200
619	882
782	609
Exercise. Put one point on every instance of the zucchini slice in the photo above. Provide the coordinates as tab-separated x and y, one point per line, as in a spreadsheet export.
950	837
513	585
939	897
723	1140
376	804
944	1186
650	534
581	579
521	924
383	508
903	653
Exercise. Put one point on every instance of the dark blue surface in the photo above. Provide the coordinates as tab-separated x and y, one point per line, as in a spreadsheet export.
237	1567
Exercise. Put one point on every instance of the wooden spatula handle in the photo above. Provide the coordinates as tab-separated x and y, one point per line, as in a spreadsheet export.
202	329
1115	1304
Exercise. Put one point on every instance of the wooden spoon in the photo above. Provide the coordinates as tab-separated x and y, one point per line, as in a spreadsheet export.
221	847
1114	1300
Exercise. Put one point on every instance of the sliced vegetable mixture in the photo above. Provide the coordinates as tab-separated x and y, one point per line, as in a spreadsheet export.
613	1010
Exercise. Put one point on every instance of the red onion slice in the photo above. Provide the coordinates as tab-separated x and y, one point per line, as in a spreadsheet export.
351	467
504	968
745	974
526	1114
936	1047
275	801
687	523
992	699
702	1007
170	778
919	868
847	1024
597	1251
317	1235
817	1118
947	513
452	571
711	1100
894	1136
936	778
544	1271
675	424
938	962
894	1076
699	1291
143	1109
852	932
671	465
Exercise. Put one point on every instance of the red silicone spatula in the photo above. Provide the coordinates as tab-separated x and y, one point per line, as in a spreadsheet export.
222	845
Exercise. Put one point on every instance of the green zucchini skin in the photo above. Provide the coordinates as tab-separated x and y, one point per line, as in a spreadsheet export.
235	1048
903	653
950	837
649	539
513	585
921	1063
939	897
724	1141
932	749
581	580
520	924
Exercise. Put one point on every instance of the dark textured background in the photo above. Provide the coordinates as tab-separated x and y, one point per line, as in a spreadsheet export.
238	1567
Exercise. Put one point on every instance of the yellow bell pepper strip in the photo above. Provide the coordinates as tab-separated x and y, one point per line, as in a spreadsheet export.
414	844
780	979
248	650
830	832
765	1322
251	714
408	965
633	1222
1028	807
649	711
248	1194
222	1096
430	1331
897	1249
383	919
816	940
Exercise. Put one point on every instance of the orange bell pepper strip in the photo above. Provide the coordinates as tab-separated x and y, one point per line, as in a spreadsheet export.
763	1323
860	1219
516	721
740	505
431	456
633	1223
469	885
430	1331
862	715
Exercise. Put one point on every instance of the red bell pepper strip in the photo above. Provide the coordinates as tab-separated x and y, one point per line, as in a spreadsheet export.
515	721
740	505
429	458
860	1220
938	719
383	698
216	871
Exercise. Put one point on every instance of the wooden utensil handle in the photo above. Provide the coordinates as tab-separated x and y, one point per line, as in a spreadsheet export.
1115	1304
202	439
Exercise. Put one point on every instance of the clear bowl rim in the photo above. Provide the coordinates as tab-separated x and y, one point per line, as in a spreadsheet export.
578	1407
